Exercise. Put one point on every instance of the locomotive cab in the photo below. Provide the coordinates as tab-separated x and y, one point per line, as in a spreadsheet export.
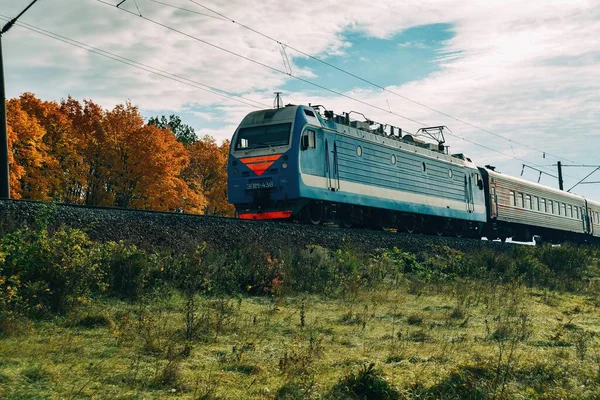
263	163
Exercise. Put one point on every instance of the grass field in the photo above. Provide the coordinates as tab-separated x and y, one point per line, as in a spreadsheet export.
460	340
83	319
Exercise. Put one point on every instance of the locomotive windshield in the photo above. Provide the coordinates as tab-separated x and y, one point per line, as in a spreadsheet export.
263	136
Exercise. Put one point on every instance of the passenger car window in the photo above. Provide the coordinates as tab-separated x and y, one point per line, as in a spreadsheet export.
513	200
521	200
543	205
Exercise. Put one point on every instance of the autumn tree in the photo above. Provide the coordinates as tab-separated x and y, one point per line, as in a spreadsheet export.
78	152
207	173
87	119
26	152
145	164
60	175
184	133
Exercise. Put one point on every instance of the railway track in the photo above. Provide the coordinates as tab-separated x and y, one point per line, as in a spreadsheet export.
178	231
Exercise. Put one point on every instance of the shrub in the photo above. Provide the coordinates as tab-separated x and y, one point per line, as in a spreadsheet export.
486	262
568	262
128	268
312	270
46	272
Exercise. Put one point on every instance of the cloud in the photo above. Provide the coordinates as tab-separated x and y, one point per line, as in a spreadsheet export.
419	44
527	70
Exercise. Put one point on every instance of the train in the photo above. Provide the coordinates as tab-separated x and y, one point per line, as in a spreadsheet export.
309	165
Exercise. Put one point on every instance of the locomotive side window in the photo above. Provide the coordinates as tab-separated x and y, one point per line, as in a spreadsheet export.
309	140
312	143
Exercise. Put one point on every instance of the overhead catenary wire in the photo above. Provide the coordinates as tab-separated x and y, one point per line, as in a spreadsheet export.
190	36
376	85
142	66
188	10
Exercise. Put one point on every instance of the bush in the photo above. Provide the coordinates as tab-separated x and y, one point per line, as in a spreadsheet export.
312	270
128	269
568	262
44	273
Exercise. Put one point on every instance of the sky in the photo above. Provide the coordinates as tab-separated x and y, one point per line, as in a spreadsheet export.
512	80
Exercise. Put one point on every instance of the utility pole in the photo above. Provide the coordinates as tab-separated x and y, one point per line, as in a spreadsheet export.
560	178
4	171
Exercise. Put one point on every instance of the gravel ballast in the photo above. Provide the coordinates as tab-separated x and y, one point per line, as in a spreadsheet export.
181	232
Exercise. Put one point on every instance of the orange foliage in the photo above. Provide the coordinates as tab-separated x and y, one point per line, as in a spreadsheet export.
26	152
207	173
78	152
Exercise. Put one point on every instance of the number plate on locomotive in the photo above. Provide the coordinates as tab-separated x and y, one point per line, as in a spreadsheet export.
259	185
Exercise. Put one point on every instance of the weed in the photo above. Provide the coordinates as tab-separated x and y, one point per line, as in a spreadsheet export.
415	319
419	336
291	391
36	374
582	339
94	320
169	376
366	383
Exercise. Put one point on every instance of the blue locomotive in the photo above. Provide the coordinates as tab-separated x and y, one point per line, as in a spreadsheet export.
292	163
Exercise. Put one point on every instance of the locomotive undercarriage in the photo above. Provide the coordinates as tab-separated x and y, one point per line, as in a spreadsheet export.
525	233
356	216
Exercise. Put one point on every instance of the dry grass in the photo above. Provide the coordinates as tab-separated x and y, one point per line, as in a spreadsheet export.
453	340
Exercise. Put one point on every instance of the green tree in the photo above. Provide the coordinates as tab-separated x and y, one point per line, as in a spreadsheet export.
184	133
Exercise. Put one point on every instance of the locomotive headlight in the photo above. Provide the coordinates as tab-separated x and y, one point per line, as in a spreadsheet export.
284	165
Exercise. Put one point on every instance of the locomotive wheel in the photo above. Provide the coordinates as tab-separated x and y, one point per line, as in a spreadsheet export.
385	220
410	223
459	229
345	217
440	228
314	214
345	223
